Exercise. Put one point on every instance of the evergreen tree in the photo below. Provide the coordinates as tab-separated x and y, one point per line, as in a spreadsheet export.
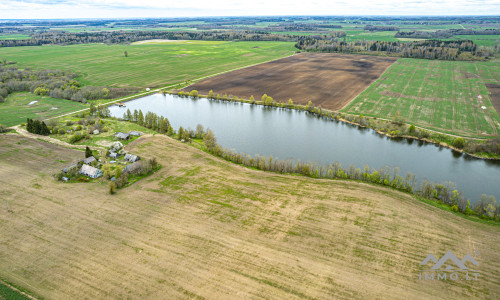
88	152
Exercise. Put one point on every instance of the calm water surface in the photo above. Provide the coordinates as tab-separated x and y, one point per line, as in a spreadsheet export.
284	134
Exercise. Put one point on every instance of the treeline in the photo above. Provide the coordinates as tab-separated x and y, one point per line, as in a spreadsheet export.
37	127
302	27
380	28
446	193
53	83
149	120
122	37
431	49
444	34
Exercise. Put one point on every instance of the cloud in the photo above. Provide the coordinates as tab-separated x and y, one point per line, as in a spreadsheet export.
169	8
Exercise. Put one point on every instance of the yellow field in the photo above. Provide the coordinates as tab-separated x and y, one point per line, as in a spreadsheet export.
205	228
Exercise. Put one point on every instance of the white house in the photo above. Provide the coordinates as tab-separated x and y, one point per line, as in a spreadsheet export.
90	171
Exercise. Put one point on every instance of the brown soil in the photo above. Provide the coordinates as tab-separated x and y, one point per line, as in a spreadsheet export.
329	80
494	89
204	228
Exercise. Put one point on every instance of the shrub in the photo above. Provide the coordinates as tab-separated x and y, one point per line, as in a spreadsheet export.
75	138
459	143
412	129
112	188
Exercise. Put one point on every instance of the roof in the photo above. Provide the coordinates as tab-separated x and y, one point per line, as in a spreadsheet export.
135	133
122	135
113	154
88	160
131	157
89	170
65	170
132	167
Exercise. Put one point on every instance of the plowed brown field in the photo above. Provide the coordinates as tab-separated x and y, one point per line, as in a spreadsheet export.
329	80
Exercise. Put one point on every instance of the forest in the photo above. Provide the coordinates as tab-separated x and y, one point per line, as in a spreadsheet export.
430	49
444	34
117	37
53	83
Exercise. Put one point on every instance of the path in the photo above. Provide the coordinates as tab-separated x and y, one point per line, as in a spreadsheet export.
49	139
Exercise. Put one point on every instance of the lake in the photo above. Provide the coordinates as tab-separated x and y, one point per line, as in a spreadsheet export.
284	134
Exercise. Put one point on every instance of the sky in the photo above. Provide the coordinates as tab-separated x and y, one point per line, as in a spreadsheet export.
62	9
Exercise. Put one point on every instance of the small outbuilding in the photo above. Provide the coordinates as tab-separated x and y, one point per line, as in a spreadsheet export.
65	170
132	167
122	135
90	171
135	133
89	160
131	158
113	155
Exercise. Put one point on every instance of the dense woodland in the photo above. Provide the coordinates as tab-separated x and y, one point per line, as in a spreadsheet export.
120	37
444	34
431	49
53	83
381	28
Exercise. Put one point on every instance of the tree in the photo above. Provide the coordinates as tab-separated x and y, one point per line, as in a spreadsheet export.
211	94
140	118
88	152
93	109
290	103
252	99
209	140
309	106
125	53
459	143
112	188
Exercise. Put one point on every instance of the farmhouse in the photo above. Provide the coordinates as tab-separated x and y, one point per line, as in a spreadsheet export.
131	158
88	160
90	171
122	135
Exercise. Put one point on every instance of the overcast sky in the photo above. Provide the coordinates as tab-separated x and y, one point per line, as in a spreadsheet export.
48	9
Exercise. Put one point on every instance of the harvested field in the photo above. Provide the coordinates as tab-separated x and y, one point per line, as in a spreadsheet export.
494	89
329	80
204	228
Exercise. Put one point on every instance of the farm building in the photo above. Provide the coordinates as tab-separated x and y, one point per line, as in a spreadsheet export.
113	154
122	135
65	170
88	160
132	167
132	158
135	133
90	171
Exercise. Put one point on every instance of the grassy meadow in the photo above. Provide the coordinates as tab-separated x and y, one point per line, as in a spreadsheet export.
15	110
147	65
444	96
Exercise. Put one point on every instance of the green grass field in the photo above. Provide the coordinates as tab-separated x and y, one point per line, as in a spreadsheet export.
147	65
480	40
14	37
9	294
440	95
16	109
